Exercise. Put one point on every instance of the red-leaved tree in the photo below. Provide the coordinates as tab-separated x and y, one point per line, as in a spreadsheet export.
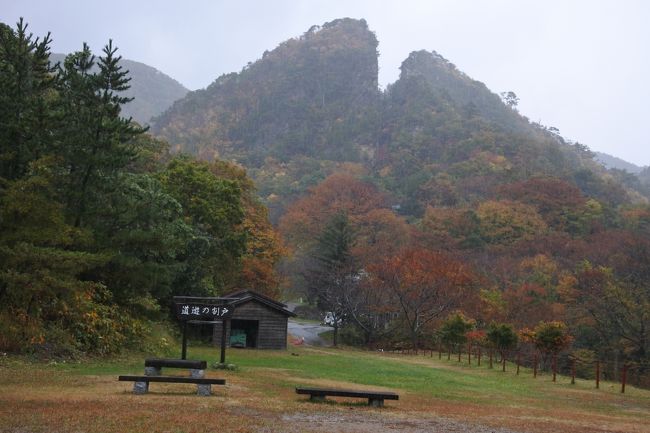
424	286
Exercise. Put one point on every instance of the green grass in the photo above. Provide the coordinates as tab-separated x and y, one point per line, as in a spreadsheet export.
431	377
423	383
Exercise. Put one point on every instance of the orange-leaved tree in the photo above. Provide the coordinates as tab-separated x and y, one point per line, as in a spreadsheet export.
423	285
340	193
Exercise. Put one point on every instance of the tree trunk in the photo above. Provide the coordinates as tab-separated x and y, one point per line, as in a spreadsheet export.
414	339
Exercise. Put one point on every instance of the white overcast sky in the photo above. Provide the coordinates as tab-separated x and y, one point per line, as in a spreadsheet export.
581	66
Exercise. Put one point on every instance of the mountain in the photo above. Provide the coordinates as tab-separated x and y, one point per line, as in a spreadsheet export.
310	96
153	90
434	138
610	161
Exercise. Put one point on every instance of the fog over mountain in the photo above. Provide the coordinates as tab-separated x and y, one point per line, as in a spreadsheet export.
579	66
152	90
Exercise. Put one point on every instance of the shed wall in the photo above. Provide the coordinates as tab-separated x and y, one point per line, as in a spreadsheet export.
272	332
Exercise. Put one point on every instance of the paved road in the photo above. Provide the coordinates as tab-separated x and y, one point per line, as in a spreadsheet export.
309	332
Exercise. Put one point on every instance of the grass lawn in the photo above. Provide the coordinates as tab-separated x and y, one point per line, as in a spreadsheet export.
260	397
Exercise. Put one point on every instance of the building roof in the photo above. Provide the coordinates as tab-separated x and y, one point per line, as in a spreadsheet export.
243	296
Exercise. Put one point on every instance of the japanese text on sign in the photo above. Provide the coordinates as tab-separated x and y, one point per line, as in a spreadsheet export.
202	311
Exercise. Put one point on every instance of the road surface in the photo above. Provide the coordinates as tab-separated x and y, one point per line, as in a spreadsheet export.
309	331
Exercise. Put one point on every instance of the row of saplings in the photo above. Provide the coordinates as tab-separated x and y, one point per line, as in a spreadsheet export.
548	339
496	343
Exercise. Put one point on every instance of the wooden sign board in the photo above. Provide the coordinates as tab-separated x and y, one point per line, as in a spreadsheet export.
196	311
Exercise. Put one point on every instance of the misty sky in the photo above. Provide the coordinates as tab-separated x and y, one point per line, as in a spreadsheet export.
581	66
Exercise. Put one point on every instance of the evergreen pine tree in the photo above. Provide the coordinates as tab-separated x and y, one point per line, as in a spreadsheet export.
26	94
334	276
96	142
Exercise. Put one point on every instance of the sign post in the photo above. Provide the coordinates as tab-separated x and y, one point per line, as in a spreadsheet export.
184	348
223	342
203	311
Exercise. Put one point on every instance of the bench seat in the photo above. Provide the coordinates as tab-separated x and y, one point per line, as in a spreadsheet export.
173	379
176	363
375	398
141	386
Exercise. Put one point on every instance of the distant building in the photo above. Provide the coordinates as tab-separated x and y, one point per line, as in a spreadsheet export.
258	322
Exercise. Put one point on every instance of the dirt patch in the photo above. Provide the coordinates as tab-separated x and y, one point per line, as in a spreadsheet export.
365	422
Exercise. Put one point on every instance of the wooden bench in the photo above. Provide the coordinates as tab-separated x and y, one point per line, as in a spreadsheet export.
153	373
375	398
204	384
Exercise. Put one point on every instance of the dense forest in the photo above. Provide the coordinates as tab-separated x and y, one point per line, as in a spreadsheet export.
99	225
429	212
405	207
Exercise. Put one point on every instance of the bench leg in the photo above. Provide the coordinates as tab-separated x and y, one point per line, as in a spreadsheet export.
152	371
376	402
140	387
204	389
197	373
317	398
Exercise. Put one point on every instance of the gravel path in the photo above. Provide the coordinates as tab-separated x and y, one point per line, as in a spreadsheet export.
364	422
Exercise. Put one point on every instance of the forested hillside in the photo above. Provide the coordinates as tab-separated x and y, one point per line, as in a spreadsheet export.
152	91
430	212
432	196
99	225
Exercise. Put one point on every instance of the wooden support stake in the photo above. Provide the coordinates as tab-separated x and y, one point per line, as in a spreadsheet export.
490	358
597	374
554	366
573	372
469	353
518	362
460	351
503	361
623	378
535	366
479	356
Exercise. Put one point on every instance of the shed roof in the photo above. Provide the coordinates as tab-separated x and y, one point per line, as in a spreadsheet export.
242	296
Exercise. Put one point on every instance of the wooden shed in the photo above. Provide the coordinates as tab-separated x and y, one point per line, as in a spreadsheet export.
257	322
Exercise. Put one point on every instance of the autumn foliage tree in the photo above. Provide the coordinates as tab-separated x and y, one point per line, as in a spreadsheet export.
423	286
617	308
340	193
550	338
375	227
264	247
